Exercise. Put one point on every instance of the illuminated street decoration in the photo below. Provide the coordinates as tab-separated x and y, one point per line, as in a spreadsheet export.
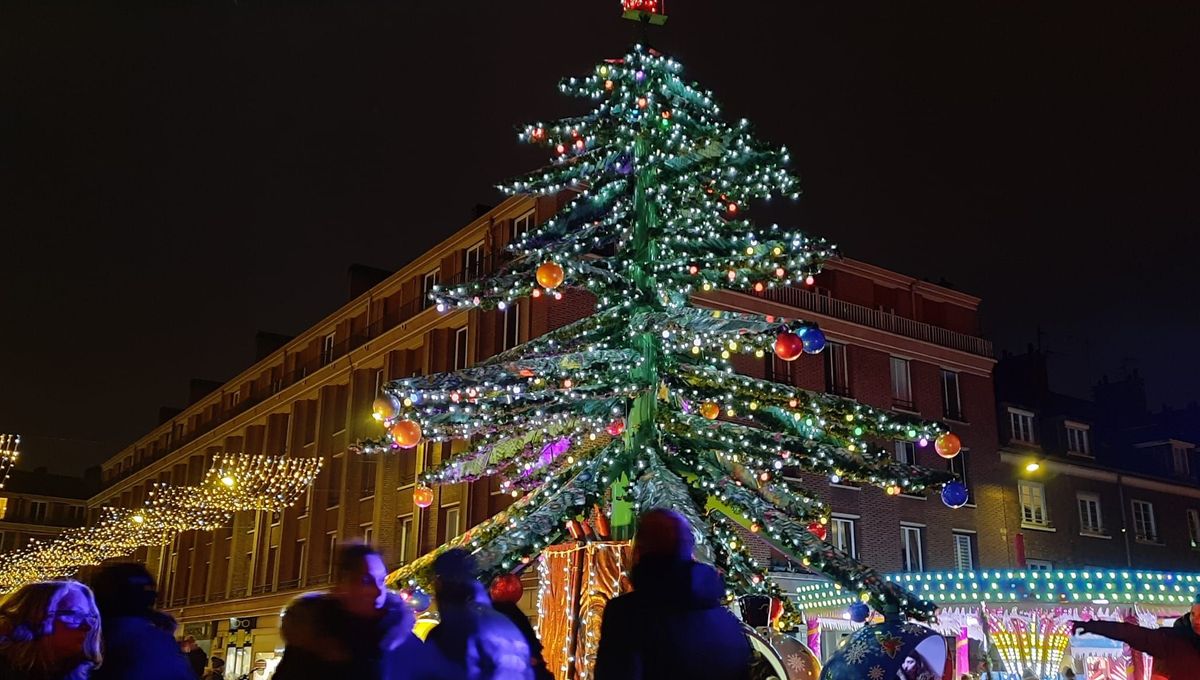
234	483
10	445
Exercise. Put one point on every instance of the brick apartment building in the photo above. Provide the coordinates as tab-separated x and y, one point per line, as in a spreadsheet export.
896	342
38	504
904	344
1114	485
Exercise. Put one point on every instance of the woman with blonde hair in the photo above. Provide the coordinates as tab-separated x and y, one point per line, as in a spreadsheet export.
49	630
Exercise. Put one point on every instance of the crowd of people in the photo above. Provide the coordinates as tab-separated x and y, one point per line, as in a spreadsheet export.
672	625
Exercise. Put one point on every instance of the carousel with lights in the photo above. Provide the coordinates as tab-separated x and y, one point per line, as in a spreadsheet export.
638	405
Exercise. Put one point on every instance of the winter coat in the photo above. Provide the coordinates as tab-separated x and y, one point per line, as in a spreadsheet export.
197	659
141	647
324	641
671	626
536	660
1176	652
479	643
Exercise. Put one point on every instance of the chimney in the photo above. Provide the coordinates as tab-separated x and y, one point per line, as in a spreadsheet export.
198	388
265	343
363	278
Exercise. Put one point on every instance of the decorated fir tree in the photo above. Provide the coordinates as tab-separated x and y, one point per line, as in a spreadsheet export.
637	405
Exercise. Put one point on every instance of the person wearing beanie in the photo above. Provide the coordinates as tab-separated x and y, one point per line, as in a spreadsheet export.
673	624
139	641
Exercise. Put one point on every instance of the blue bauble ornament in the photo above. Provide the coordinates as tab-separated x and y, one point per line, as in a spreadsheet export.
418	599
623	164
955	494
859	612
814	341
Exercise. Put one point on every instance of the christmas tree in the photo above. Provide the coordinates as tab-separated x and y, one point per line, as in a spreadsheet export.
637	405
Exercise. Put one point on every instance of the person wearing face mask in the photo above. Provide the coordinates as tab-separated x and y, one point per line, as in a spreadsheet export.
356	631
49	630
139	641
1176	650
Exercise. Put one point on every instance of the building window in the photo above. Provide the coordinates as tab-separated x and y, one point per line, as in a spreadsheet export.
779	370
368	532
906	453
951	399
473	262
964	551
1089	514
428	283
235	398
901	383
1033	504
512	327
334	498
1144	528
37	512
841	535
460	349
1179	459
910	549
370	468
1039	565
327	349
1194	527
331	543
1077	439
1021	425
837	370
451	522
404	539
522	225
958	467
379	382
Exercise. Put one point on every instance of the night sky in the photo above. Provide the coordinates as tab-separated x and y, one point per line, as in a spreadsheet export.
176	178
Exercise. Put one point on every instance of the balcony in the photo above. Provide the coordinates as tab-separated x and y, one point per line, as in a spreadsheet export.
877	319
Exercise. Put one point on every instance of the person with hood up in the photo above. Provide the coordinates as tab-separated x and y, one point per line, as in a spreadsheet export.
474	640
139	641
358	630
1176	650
672	625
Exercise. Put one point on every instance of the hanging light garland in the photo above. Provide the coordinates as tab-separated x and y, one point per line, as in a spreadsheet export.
10	445
234	483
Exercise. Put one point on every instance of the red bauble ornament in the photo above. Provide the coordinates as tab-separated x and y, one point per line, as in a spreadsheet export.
506	588
406	433
947	445
788	346
550	275
422	497
616	427
817	529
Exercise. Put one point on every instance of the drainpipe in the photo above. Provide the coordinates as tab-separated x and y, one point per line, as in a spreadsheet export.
1124	529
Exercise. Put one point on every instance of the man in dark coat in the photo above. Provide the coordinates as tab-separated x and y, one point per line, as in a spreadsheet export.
1176	650
672	625
195	656
139	641
356	631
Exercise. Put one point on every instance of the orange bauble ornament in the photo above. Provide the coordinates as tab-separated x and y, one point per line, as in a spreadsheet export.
422	497
947	445
406	433
550	275
710	410
384	408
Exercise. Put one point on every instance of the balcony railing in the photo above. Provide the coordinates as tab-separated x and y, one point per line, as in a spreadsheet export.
875	318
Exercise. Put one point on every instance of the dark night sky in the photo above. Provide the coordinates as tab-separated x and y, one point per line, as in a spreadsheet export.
175	178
